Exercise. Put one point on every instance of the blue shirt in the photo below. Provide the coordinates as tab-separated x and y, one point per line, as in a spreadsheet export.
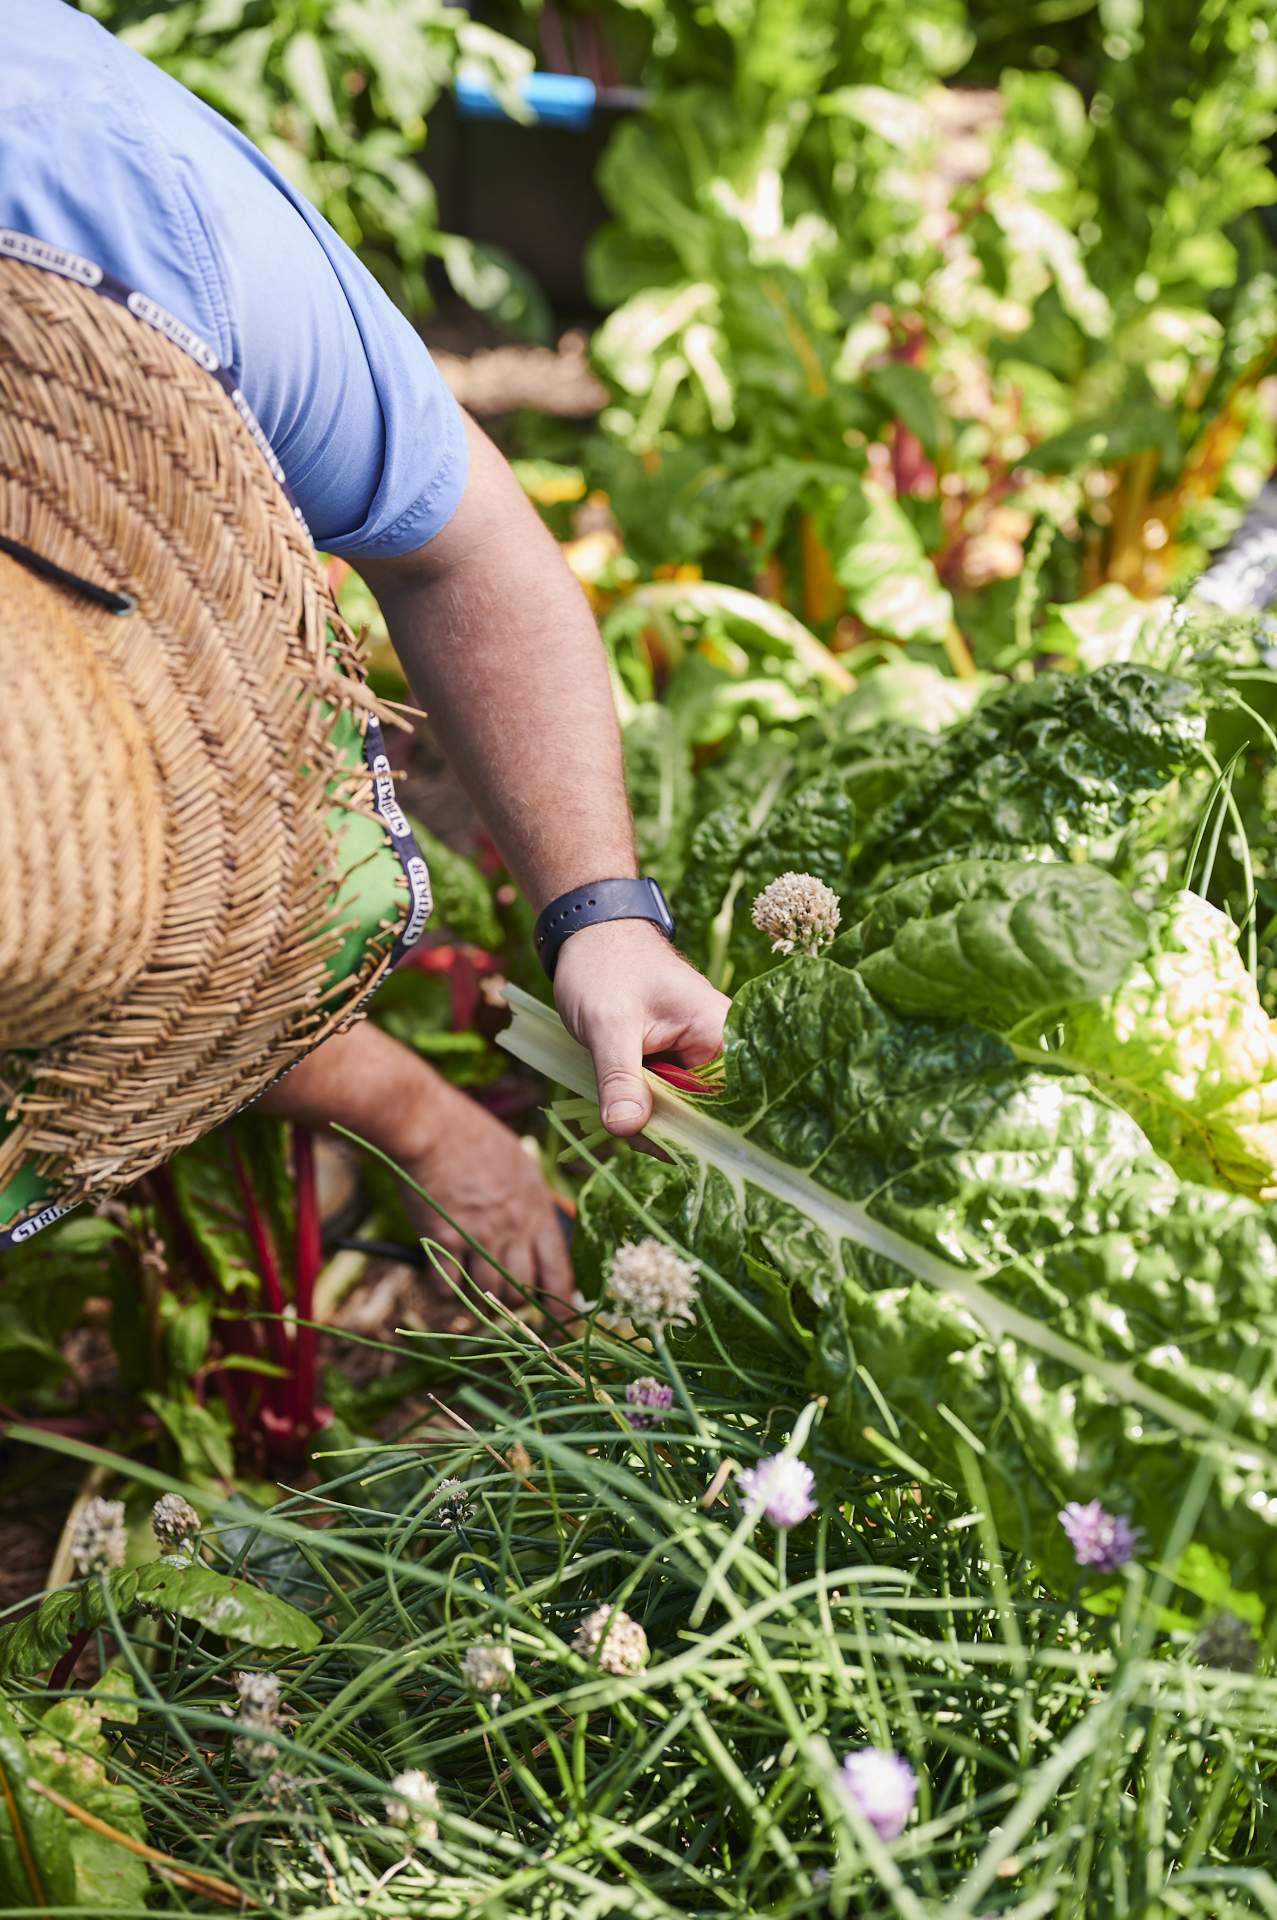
103	153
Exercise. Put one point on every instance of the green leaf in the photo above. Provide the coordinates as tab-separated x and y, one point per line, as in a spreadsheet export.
790	825
1111	624
1185	1046
890	582
658	779
229	1606
1058	763
1100	442
911	692
69	1754
203	1436
908	396
36	1865
999	943
306	72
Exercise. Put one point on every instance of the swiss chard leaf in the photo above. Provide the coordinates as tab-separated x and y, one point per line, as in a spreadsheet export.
791	825
1002	943
36	1866
1058	763
229	1606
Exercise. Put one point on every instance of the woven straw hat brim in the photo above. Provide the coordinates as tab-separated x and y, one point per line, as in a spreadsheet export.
161	1011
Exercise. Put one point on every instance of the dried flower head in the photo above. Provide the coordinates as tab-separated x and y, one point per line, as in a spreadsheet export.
780	1487
412	1803
882	1787
1228	1642
798	913
174	1523
452	1505
1099	1539
99	1541
652	1285
258	1709
488	1669
519	1460
616	1643
647	1402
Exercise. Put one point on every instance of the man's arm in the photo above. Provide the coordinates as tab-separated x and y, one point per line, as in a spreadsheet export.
501	648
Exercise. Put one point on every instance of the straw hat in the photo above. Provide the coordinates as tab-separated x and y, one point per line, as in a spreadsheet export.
168	861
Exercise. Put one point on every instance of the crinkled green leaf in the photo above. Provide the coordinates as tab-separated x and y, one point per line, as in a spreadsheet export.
786	826
997	942
1060	763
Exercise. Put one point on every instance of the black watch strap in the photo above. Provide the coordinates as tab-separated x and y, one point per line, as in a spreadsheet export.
587	906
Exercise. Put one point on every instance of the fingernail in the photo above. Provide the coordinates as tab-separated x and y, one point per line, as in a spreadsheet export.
621	1113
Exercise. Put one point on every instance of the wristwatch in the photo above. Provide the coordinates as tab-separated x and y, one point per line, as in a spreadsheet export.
601	900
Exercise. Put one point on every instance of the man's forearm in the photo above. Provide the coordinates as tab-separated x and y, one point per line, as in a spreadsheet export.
501	649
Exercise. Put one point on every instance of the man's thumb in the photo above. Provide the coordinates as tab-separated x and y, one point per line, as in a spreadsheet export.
624	1099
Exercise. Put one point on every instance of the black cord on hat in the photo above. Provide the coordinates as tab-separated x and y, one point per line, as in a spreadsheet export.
102	596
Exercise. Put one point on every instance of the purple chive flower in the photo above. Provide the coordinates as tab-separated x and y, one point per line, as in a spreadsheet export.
781	1488
647	1402
882	1787
1098	1538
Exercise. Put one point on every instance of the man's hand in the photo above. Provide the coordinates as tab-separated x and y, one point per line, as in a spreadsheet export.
480	1174
624	993
468	1162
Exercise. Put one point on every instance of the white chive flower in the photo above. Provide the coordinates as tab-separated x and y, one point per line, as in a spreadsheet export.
612	1640
452	1505
99	1541
798	913
488	1669
652	1285
882	1787
781	1488
175	1523
412	1803
258	1709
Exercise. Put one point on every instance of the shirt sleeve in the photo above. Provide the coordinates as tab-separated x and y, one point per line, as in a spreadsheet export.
361	421
108	156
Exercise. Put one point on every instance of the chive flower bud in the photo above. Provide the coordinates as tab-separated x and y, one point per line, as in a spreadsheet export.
647	1402
488	1669
412	1803
882	1787
258	1709
99	1541
175	1523
612	1640
452	1506
1098	1538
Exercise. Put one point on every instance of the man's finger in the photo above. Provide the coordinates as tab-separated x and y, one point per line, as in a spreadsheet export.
616	1047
